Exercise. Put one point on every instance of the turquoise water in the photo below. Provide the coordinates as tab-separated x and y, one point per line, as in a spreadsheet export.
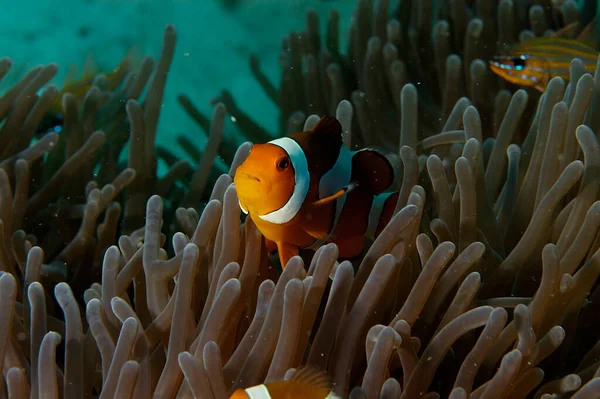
491	216
214	43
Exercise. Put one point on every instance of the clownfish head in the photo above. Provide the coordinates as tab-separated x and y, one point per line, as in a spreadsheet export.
273	180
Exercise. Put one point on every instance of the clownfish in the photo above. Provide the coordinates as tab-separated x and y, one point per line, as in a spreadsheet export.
308	189
307	383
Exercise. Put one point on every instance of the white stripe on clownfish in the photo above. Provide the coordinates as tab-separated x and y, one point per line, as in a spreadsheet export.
338	178
242	208
261	392
302	182
333	181
258	392
375	213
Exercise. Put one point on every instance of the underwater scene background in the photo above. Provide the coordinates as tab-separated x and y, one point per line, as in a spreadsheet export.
458	141
215	40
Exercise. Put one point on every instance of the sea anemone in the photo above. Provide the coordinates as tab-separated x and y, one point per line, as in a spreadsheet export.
483	285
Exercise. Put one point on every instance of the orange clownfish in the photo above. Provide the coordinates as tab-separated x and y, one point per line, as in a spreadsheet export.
307	383
308	189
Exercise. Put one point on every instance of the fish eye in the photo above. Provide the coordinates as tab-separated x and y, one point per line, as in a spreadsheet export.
518	62
283	164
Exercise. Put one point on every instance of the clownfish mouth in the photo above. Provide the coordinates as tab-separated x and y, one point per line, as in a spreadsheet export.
251	177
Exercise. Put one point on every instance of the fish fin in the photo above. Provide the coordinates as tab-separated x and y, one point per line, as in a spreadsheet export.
309	375
350	247
286	252
567	31
90	67
314	230
328	125
133	57
128	62
270	246
71	76
339	193
373	170
588	35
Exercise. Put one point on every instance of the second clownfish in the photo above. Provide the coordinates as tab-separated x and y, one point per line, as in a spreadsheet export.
306	383
308	189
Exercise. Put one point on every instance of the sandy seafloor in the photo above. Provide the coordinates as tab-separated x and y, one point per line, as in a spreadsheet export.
212	50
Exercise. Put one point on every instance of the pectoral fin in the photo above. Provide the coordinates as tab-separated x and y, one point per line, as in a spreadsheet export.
331	198
286	252
350	247
270	245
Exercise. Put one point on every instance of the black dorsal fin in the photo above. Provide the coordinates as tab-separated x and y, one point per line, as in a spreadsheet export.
567	31
312	376
589	34
328	125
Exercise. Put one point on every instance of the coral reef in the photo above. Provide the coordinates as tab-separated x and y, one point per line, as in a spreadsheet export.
483	285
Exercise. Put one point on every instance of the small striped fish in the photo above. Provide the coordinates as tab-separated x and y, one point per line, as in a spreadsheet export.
534	62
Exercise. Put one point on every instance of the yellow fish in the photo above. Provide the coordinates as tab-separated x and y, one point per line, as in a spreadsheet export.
535	62
79	88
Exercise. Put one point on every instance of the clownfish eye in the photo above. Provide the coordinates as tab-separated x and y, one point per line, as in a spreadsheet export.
283	164
519	62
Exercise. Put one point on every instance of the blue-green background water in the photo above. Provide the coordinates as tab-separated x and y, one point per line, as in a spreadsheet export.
213	46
